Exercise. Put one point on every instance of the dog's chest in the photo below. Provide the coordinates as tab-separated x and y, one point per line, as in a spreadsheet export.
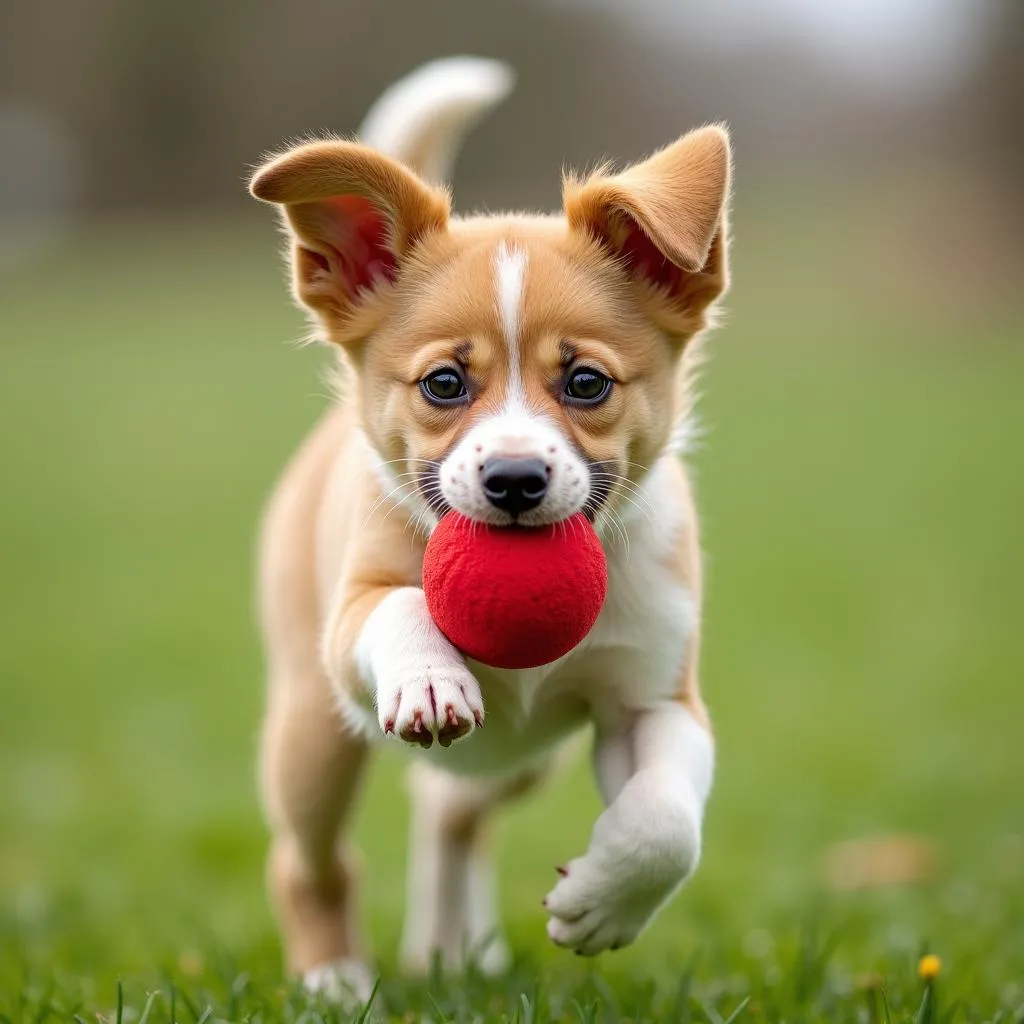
632	657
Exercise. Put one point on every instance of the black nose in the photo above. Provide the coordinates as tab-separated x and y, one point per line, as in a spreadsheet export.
515	485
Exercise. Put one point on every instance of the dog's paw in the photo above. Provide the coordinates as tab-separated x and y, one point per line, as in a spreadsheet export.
592	911
491	957
347	983
424	704
604	899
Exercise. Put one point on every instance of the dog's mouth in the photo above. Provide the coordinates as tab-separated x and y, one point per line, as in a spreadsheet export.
602	479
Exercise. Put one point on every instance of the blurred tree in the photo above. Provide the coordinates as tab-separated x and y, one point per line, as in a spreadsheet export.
999	96
168	102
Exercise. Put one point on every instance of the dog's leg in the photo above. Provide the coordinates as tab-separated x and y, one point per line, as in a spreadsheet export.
310	771
451	909
654	769
417	681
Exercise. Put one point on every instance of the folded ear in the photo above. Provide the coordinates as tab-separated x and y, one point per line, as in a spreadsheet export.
353	216
665	219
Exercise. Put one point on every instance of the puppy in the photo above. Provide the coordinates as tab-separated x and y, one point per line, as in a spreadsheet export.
518	369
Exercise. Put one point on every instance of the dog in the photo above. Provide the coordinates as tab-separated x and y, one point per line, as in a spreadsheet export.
518	369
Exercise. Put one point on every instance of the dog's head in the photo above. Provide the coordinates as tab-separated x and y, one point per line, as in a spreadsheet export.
517	369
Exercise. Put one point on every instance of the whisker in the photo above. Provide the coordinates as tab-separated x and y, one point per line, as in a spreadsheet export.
614	522
622	486
397	505
620	527
627	490
388	497
409	460
646	513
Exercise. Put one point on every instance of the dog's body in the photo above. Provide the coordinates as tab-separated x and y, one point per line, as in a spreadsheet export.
518	369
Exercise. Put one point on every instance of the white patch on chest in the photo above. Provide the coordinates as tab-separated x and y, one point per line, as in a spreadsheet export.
632	658
650	615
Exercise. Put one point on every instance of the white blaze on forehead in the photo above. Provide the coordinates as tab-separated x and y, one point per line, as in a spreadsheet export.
516	430
510	263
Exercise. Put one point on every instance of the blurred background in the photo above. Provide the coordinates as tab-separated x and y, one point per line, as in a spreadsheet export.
861	472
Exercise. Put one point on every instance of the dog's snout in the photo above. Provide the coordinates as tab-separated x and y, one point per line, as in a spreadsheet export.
514	485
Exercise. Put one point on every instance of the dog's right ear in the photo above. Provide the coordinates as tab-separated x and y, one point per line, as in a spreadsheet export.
353	215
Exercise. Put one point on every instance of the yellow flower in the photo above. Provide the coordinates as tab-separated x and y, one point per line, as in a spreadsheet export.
929	966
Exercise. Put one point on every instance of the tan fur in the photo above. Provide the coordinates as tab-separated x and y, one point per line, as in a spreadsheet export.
687	567
309	768
334	545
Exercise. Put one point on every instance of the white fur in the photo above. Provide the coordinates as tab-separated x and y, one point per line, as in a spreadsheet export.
510	263
411	669
512	434
648	612
486	946
632	658
515	431
647	843
346	982
653	760
450	904
422	118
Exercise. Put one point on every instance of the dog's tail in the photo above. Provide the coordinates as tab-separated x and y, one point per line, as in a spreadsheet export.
423	118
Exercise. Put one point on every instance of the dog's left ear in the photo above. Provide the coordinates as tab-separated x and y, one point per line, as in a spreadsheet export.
665	219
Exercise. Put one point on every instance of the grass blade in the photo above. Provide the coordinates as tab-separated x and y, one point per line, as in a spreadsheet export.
148	1008
361	1019
739	1009
527	1008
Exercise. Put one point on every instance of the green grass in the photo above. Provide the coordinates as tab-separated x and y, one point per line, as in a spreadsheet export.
861	483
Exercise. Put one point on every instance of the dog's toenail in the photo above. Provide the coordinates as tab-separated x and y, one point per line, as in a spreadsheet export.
564	872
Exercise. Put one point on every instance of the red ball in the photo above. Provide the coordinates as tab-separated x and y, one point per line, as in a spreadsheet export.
511	596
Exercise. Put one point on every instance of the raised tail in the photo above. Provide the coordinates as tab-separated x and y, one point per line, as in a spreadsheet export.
423	118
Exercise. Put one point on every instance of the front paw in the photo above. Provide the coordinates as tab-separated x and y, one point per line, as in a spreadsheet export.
425	704
591	912
606	898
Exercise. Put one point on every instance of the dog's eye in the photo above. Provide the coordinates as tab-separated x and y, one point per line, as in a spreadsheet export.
587	386
443	387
